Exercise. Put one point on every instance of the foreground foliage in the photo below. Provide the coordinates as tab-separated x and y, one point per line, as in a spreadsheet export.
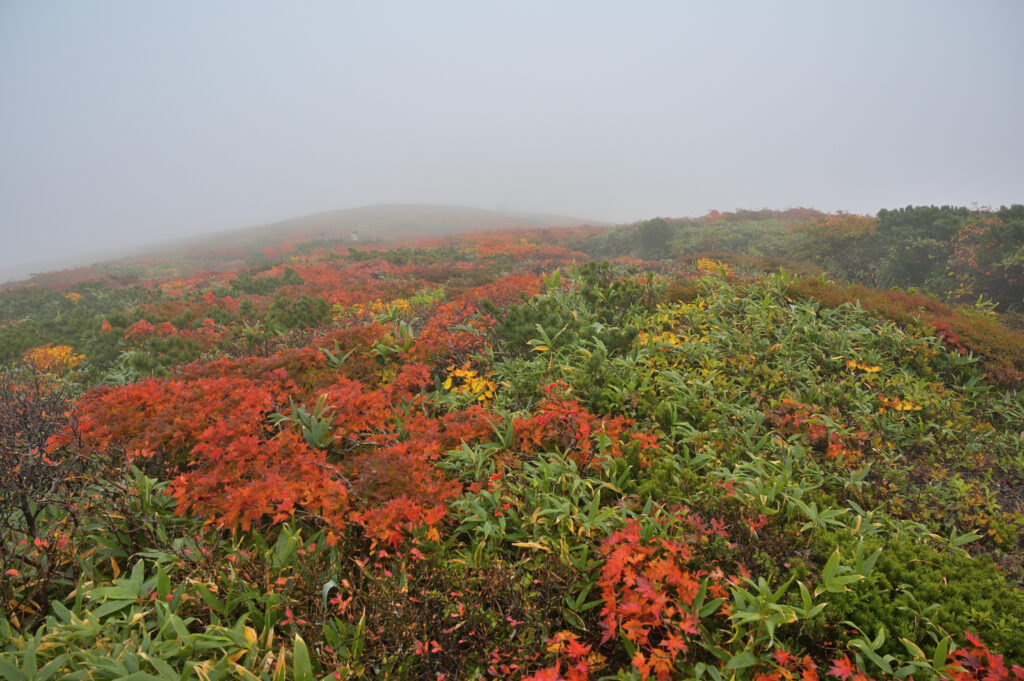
488	461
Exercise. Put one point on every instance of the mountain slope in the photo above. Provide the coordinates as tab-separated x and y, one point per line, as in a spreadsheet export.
229	249
387	222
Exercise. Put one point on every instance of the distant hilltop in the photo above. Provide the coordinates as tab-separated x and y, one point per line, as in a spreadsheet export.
388	222
385	222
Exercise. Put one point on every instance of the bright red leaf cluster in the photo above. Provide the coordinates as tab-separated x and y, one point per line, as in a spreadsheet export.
563	424
650	593
978	663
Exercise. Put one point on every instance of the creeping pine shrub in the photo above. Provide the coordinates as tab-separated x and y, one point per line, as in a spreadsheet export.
914	586
611	302
245	282
297	313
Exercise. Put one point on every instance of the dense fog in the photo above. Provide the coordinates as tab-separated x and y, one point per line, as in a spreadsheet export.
125	124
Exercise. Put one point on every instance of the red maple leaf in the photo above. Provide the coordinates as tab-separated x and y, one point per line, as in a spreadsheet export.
842	668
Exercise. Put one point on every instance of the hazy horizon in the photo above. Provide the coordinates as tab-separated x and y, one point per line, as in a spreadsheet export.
127	124
25	270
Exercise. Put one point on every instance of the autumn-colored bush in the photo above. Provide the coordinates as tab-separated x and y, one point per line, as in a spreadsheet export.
505	291
562	424
52	359
790	417
1001	349
656	598
760	263
452	335
239	480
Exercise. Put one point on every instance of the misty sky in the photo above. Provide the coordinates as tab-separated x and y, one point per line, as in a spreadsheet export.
122	123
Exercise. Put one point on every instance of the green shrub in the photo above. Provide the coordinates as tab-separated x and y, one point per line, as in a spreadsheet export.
302	312
915	588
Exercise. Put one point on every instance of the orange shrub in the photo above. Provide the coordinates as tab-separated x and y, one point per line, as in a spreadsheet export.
52	359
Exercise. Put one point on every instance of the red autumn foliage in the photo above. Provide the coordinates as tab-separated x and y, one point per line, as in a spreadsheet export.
574	660
978	663
650	589
515	244
236	470
505	291
794	418
169	418
562	423
210	423
140	329
843	669
949	337
452	335
239	480
789	668
398	484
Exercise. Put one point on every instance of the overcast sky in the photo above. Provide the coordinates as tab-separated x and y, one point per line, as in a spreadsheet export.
125	122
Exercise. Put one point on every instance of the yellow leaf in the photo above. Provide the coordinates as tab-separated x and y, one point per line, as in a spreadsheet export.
202	670
250	636
279	668
245	673
541	348
531	545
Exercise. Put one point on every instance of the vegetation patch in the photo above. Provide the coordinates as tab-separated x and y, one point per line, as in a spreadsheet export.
480	457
